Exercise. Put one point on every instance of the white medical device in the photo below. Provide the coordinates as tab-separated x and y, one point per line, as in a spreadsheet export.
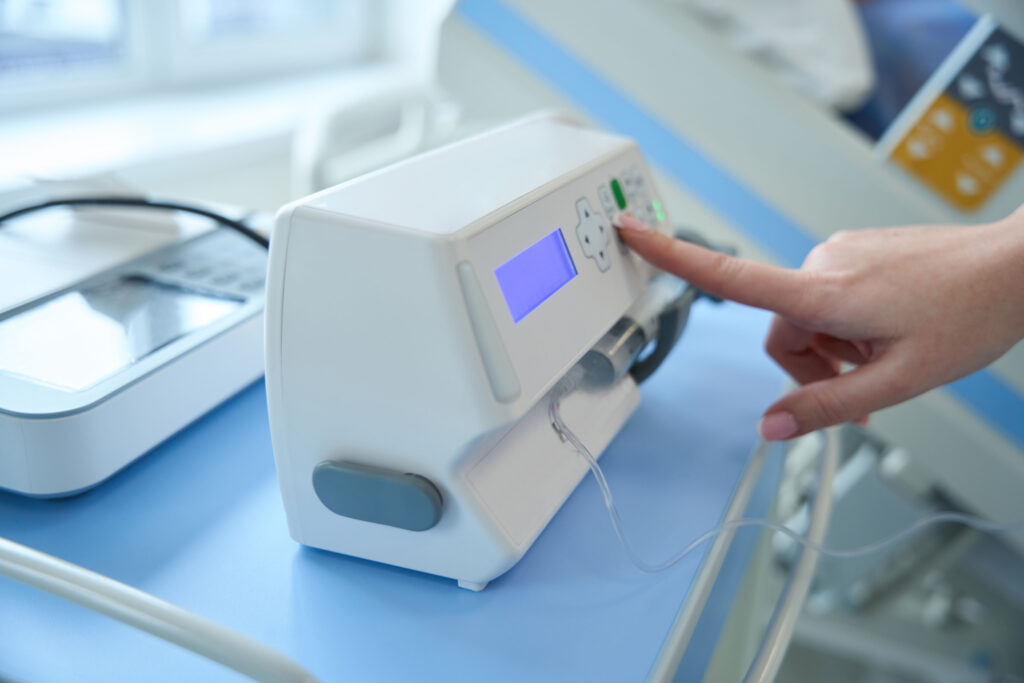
418	319
114	336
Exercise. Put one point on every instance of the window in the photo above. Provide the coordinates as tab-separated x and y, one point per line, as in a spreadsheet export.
60	50
60	35
71	47
220	38
209	20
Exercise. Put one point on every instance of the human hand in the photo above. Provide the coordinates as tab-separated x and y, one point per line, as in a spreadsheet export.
913	308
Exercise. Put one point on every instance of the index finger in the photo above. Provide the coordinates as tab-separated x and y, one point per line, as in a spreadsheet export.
786	292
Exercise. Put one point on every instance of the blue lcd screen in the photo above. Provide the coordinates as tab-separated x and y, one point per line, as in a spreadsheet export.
536	273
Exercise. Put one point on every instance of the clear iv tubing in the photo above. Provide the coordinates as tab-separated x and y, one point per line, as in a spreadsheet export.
654	567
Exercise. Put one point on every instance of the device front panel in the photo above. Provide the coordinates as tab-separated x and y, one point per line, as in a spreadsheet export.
555	275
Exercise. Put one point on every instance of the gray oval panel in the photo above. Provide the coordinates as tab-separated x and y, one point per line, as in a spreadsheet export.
373	494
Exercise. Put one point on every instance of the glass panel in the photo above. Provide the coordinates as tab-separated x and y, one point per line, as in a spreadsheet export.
59	35
112	325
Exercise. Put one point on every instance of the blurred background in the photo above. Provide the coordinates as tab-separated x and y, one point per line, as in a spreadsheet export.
258	102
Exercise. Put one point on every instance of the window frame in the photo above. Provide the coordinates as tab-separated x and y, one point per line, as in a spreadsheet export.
89	82
190	62
158	56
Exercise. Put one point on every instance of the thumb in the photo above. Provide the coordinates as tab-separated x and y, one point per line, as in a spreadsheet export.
843	398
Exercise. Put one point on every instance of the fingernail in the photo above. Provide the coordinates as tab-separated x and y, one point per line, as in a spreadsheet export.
777	426
624	221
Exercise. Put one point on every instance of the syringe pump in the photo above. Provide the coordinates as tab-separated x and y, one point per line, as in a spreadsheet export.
418	319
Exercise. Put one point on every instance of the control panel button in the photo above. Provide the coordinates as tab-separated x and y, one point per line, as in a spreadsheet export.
620	197
607	201
659	212
594	234
638	179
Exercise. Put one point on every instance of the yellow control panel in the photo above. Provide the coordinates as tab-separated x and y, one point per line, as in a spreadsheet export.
970	140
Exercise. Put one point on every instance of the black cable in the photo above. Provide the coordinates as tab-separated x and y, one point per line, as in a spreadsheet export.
670	328
142	202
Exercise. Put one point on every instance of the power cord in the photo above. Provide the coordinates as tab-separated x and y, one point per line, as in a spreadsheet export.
141	202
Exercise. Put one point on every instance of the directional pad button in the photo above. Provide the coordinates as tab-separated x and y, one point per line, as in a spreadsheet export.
594	233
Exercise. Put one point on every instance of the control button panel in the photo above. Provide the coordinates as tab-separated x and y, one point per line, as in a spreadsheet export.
629	192
594	233
636	194
969	141
219	262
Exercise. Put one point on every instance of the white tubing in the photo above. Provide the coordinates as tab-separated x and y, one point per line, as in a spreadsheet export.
671	654
769	658
148	613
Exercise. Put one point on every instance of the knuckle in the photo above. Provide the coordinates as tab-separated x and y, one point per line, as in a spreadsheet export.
820	292
898	384
775	351
833	250
833	285
820	254
840	236
724	266
775	343
825	407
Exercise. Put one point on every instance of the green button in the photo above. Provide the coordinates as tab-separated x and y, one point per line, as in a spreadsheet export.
620	198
